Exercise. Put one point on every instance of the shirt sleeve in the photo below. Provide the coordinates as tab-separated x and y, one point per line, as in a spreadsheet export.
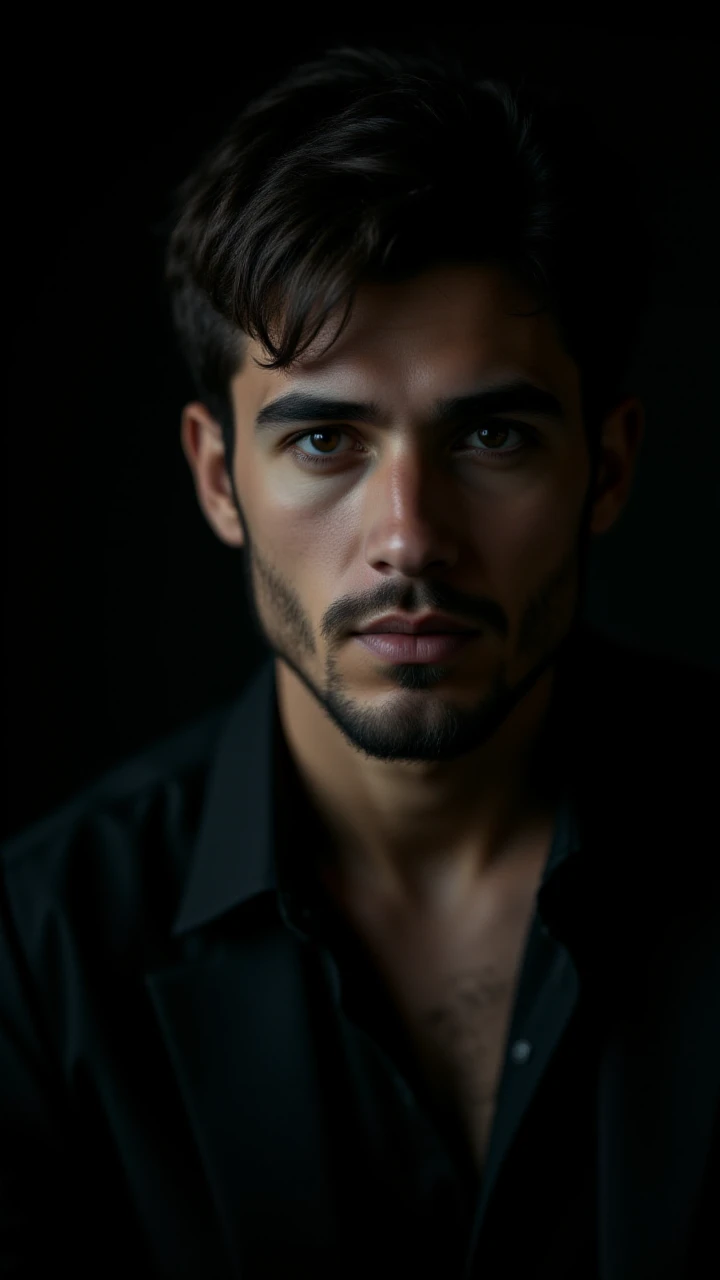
41	1221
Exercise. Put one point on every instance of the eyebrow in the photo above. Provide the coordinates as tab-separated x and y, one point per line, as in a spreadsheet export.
517	396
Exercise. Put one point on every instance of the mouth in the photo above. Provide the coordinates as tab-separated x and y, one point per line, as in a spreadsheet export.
398	646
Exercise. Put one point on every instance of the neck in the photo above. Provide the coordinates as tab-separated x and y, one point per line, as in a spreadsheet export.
413	855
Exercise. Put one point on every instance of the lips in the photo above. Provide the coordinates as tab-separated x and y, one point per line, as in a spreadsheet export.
403	648
435	625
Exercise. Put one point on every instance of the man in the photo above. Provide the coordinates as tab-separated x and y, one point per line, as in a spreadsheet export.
407	961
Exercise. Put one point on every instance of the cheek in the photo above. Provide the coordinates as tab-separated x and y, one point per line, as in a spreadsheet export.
300	536
515	533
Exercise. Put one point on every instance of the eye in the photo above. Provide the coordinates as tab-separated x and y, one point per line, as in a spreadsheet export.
491	430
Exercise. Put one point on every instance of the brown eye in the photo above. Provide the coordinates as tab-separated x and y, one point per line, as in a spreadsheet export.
324	431
494	434
318	438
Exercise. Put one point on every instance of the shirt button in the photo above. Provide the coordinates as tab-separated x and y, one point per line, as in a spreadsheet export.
521	1051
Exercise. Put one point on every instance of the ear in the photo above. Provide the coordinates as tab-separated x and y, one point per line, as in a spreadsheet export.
202	443
622	434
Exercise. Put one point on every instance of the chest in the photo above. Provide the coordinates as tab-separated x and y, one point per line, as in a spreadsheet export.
453	989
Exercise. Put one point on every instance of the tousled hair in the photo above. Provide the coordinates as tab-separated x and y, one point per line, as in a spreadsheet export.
369	165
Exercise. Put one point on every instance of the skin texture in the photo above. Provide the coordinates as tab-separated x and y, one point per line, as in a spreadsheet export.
428	778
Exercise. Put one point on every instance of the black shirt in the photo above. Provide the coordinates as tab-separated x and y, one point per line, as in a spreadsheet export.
185	1023
535	1205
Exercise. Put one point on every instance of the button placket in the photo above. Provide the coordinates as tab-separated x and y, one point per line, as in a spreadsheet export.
520	1052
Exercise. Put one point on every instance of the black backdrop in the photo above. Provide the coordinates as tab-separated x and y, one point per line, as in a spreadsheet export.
124	614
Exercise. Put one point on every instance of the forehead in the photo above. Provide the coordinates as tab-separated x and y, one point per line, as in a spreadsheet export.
409	342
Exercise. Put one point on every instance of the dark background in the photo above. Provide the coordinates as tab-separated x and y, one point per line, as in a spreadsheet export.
124	613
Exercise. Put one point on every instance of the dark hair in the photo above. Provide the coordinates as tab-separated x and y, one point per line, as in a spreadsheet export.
364	165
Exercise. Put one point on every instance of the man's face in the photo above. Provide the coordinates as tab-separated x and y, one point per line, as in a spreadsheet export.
406	515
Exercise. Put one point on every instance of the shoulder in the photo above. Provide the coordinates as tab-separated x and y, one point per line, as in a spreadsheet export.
110	861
